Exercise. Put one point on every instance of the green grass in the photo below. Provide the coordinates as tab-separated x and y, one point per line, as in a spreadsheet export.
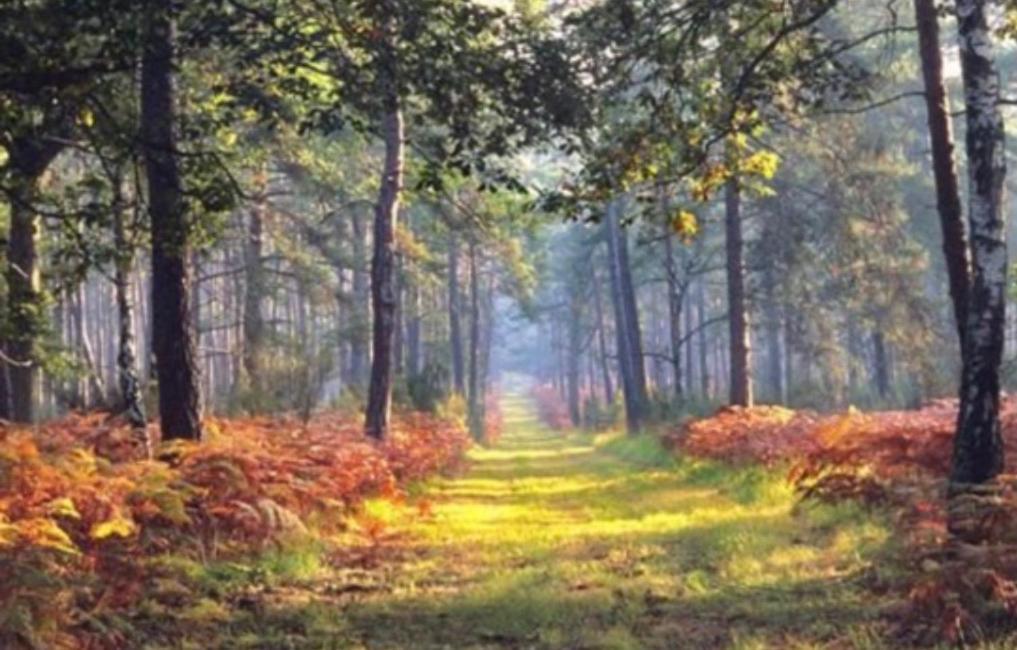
576	541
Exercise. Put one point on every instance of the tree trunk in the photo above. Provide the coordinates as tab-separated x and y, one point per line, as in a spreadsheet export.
172	336
28	160
704	349
978	445
605	369
361	301
474	398
254	292
455	328
674	302
383	281
880	364
627	334
399	337
944	168
738	315
131	401
773	352
413	351
574	351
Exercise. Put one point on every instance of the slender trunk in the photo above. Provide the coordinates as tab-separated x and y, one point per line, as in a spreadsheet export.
944	168
738	315
172	336
773	352
399	337
383	281
704	349
474	398
413	351
455	328
674	302
254	291
627	340
361	301
575	334
605	368
978	445
131	401
880	364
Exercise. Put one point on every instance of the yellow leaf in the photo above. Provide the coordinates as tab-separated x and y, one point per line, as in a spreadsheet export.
87	118
118	526
63	507
685	224
46	533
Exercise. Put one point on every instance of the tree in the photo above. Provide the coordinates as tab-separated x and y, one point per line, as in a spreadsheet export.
948	202
172	334
978	445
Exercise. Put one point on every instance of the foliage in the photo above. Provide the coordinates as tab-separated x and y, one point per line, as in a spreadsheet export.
80	520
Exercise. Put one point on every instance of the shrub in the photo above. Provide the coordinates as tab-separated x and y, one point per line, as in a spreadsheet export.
80	520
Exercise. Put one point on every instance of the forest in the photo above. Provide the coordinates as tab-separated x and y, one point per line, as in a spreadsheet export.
507	324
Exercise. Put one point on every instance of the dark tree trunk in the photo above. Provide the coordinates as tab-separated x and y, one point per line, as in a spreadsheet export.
383	280
399	336
172	336
978	445
951	216
454	325
633	376
413	351
675	294
880	364
473	393
605	367
28	159
254	292
361	302
738	314
574	352
704	349
773	352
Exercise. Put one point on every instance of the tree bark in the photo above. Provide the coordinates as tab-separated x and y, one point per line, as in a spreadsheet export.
738	315
413	351
705	385
473	395
455	327
172	336
28	159
674	302
944	168
131	401
880	364
361	301
574	351
254	292
383	280
978	445
626	327
605	369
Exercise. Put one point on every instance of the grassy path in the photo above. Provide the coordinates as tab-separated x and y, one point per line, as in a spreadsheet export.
561	542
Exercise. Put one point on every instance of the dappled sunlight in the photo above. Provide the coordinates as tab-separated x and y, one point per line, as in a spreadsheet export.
558	540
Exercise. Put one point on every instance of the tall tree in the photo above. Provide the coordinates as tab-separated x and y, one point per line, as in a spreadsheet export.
978	445
944	168
172	331
29	156
386	215
738	313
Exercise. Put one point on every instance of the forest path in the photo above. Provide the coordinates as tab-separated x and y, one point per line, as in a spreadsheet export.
554	541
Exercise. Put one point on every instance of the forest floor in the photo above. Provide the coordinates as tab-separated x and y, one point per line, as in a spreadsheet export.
555	541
